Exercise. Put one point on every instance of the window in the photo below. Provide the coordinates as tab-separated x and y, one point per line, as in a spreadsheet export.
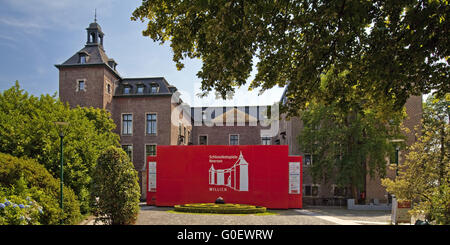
151	124
127	124
140	89
308	159
340	191
311	190
234	139
307	190
126	90
154	88
203	140
81	85
82	59
265	140
129	150
150	150
108	88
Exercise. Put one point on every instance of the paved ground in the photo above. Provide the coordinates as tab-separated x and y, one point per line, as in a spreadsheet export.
150	215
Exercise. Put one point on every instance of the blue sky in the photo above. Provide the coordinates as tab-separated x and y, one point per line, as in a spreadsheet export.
37	34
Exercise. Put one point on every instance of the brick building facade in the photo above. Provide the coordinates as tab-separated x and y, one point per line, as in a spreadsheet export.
147	115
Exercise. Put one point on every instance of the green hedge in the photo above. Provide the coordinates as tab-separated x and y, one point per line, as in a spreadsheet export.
27	179
220	208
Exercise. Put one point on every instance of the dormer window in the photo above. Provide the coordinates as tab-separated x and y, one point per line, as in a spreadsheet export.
140	89
82	57
154	88
112	64
127	90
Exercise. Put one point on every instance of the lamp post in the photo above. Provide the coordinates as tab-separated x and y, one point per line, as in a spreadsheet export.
60	126
397	149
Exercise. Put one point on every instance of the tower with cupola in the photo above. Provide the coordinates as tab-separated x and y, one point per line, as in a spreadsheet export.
88	78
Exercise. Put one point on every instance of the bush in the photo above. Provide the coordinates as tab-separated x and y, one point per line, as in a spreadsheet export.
25	178
115	184
15	210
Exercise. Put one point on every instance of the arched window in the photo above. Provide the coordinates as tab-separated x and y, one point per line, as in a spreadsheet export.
93	37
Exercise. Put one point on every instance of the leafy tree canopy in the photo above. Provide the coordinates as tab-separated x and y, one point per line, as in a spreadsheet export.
348	143
27	129
425	175
391	49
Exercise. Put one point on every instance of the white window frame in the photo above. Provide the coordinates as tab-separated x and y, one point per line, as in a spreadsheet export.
145	150
132	150
121	124
229	139
146	124
78	85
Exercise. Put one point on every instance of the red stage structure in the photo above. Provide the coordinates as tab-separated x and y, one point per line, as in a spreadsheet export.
262	175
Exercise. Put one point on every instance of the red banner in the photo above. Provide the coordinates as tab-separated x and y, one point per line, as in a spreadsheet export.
252	174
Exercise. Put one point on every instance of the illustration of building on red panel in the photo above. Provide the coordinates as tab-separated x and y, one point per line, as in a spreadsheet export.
235	177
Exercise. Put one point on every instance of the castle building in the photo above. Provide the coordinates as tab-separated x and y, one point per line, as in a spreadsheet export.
143	108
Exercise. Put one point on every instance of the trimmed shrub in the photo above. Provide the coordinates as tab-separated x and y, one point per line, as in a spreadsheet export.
219	208
116	188
26	178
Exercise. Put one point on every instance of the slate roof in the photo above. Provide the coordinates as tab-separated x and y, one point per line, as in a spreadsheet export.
164	88
95	56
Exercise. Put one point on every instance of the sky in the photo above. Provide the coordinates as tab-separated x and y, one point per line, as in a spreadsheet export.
37	34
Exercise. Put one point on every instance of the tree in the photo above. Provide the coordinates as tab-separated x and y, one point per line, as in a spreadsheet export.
347	145
116	187
391	49
424	178
27	130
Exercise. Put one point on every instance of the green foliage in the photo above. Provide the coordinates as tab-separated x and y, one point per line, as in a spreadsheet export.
346	146
219	208
425	175
26	179
27	129
116	187
16	210
391	49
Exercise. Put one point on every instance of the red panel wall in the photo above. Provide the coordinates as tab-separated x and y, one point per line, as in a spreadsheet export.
184	175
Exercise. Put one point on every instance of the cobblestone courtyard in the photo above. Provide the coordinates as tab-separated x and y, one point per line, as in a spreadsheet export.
150	215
